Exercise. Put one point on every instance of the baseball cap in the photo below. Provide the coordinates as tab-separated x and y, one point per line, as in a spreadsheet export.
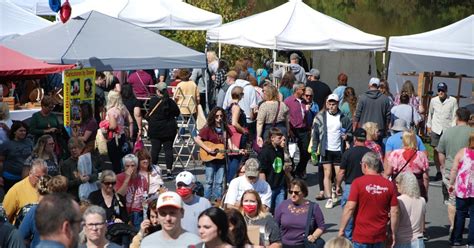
251	167
169	199
185	177
232	74
360	134
442	87
374	81
333	97
161	86
313	72
399	125
295	56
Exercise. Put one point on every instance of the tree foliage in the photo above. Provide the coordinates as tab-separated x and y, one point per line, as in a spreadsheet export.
230	11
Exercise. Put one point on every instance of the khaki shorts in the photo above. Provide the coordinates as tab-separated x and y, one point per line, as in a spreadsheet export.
434	139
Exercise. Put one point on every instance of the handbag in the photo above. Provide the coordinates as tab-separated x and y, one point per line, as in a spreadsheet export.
101	142
318	243
138	145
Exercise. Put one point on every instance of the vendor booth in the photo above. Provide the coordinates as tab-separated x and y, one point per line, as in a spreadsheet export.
442	55
296	26
19	66
107	44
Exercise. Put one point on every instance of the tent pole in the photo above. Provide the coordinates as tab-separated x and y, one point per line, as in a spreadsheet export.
220	50
274	61
206	83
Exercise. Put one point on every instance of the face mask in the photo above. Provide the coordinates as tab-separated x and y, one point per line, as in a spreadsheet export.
250	208
184	192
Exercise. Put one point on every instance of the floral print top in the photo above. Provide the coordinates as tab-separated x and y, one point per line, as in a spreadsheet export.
372	145
417	165
465	179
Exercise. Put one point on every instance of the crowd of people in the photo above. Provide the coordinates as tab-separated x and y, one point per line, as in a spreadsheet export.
60	191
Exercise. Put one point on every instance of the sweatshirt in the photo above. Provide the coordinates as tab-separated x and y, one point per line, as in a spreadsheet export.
373	106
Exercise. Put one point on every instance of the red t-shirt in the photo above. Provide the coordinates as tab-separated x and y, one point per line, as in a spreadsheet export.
207	134
135	190
374	196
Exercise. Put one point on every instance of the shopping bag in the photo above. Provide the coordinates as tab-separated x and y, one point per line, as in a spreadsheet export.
84	167
138	145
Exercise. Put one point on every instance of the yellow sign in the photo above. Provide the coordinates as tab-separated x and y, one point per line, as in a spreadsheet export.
79	87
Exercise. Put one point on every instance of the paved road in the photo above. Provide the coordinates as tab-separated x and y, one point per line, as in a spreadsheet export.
437	220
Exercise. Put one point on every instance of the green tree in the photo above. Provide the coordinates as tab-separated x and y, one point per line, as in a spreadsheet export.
230	11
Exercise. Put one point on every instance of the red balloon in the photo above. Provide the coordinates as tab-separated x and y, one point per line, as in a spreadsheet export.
65	12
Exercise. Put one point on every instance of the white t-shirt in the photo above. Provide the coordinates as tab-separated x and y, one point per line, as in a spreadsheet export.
239	185
334	132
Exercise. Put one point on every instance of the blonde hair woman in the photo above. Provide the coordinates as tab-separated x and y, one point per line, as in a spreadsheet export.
271	113
117	113
44	149
416	162
372	130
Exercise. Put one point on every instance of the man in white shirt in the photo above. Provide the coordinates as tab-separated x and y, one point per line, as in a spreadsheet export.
250	180
193	204
172	234
441	115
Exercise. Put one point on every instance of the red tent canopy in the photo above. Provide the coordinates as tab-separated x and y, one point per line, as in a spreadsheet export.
14	64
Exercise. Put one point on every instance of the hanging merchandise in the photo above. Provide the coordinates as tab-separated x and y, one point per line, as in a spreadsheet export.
65	12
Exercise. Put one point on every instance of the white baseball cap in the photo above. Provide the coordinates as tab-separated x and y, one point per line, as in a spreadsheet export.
185	177
169	199
374	81
333	97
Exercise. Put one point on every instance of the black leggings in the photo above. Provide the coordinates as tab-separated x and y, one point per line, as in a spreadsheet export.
167	144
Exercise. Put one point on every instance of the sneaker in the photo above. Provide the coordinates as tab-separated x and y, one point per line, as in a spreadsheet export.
169	175
329	204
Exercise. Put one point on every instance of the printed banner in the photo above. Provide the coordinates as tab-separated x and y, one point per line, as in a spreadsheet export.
79	87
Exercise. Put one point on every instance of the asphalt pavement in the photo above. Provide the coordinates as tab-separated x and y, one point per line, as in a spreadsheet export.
437	219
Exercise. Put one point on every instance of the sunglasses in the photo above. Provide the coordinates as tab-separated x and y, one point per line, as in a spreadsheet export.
308	95
294	192
109	183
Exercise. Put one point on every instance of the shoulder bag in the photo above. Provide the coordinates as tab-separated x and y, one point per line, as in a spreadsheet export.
148	115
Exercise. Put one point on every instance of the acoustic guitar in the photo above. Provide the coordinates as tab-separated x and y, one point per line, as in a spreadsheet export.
219	152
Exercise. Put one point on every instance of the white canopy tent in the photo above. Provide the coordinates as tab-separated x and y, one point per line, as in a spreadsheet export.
447	49
296	26
39	7
153	14
16	21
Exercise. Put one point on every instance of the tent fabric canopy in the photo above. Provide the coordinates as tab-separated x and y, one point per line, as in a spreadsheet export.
295	26
18	64
16	21
106	43
153	14
453	41
39	7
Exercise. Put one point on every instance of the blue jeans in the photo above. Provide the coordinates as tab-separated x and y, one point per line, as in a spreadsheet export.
233	165
350	223
136	218
214	176
463	207
278	196
362	245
